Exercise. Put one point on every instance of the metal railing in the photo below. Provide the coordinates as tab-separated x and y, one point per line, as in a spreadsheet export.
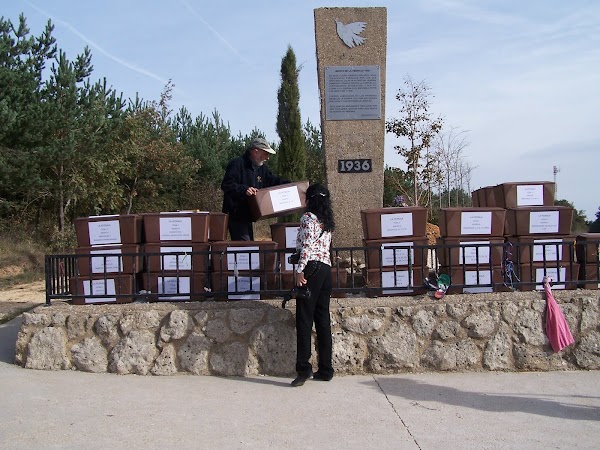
369	271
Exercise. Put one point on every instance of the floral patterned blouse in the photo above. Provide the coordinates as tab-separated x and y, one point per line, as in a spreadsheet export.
312	242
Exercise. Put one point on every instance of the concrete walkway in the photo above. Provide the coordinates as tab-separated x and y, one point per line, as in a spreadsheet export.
70	409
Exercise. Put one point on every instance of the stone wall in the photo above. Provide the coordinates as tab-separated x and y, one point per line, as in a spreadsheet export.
499	331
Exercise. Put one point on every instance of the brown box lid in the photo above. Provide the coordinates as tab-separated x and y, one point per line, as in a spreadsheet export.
381	252
194	257
538	220
587	248
470	251
243	255
378	223
523	194
278	200
527	249
86	286
176	226
109	259
111	229
467	222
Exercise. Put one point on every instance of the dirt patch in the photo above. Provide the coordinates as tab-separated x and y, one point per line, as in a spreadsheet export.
16	299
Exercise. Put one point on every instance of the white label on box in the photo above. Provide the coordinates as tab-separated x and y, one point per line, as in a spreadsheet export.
285	198
175	228
543	222
169	262
530	195
97	287
472	222
485	277
400	224
547	247
244	284
169	285
113	263
552	273
471	254
291	233
242	260
401	254
104	232
399	281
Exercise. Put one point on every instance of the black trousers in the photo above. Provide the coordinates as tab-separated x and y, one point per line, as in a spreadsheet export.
315	309
240	230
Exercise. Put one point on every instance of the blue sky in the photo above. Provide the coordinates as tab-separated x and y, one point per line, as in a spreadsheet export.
522	78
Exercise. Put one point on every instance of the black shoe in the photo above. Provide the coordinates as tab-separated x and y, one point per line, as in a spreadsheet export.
300	379
318	376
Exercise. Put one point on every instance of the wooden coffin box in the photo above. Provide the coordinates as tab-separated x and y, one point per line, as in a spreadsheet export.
378	223
105	230
278	200
98	289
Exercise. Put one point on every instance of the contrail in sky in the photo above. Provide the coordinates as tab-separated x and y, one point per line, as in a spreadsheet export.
215	32
97	47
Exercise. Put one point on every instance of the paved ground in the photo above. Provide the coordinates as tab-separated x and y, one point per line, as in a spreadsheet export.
69	409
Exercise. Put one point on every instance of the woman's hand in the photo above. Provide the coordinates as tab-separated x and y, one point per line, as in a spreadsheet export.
300	280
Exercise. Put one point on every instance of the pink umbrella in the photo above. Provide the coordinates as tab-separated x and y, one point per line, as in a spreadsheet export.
557	328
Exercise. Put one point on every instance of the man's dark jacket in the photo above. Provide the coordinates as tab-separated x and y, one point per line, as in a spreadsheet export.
241	174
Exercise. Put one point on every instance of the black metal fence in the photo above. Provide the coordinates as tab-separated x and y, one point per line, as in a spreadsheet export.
357	271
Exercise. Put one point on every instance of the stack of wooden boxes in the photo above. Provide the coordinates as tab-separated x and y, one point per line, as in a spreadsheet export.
241	267
538	234
177	253
470	248
393	238
107	258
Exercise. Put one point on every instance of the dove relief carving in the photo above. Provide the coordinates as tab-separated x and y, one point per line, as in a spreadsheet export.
349	33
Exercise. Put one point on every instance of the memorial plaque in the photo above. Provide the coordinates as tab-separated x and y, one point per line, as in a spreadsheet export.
352	93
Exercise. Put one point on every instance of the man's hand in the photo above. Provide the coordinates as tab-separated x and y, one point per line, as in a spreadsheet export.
251	191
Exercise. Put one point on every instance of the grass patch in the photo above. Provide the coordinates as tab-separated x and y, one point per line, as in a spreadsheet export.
21	259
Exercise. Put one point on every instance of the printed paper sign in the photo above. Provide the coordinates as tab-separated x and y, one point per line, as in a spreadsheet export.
546	249
109	264
288	266
175	228
244	284
291	233
285	198
530	195
472	222
170	262
479	253
169	285
241	258
393	225
552	272
471	284
104	232
543	222
99	287
401	280
397	256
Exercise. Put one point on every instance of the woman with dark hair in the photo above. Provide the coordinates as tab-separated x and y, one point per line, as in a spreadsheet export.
314	270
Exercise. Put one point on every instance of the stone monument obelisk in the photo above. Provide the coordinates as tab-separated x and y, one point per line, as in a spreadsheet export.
351	53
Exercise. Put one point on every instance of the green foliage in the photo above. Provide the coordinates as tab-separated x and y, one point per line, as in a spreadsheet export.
580	224
418	129
315	157
594	227
292	155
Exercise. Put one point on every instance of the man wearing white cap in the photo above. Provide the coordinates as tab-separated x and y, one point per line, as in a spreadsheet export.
244	176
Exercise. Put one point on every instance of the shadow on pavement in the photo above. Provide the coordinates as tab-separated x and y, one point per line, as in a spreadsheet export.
8	339
531	403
